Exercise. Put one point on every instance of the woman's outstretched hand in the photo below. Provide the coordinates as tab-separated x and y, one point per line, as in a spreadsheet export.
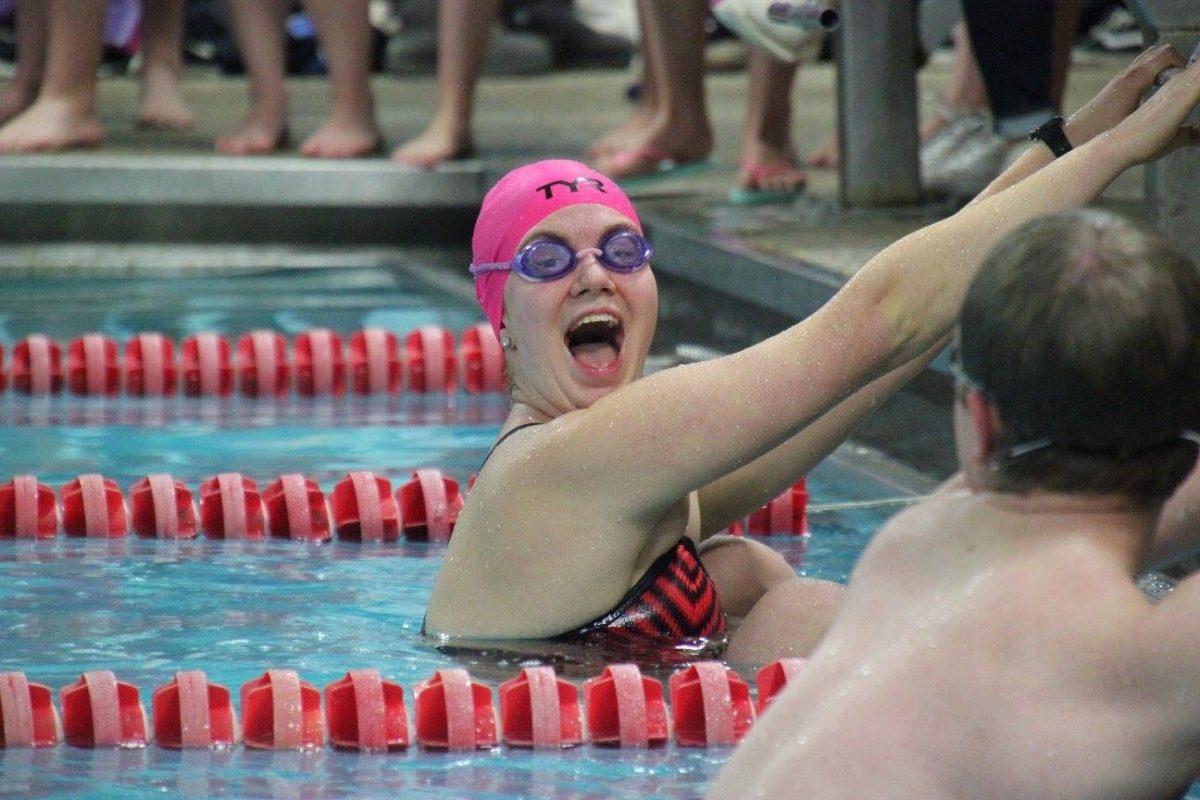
1158	125
1120	97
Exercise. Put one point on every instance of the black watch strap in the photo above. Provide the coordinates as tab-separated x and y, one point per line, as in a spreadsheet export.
1051	133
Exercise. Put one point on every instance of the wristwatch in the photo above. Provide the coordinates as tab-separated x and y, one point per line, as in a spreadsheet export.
1051	133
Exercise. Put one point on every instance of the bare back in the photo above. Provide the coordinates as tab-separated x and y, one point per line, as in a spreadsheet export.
976	656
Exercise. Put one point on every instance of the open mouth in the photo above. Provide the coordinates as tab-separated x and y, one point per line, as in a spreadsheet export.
595	340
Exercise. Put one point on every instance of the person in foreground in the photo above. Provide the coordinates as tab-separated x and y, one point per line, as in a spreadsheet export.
992	640
585	520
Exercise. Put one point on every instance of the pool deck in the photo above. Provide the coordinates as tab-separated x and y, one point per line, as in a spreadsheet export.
145	171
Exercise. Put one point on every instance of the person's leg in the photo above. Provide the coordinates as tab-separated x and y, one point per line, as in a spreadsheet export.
788	622
768	159
64	114
464	27
31	59
1066	29
1014	45
344	31
260	33
626	134
161	104
967	92
674	39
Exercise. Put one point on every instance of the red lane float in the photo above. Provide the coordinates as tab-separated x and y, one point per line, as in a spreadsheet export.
429	505
281	712
27	714
454	713
231	507
710	704
481	360
161	507
37	366
100	711
190	712
366	712
296	509
538	709
93	506
625	708
206	364
786	514
320	368
28	509
429	360
375	366
3	371
149	366
262	364
92	366
364	509
774	678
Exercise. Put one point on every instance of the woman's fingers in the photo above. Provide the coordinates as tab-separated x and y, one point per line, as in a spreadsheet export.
1159	124
1120	96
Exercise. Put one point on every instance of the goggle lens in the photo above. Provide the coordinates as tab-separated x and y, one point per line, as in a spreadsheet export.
624	251
547	259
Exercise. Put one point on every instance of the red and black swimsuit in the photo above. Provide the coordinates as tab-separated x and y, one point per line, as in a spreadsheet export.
674	601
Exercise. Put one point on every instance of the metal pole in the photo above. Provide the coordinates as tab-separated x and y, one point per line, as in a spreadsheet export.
877	103
1173	181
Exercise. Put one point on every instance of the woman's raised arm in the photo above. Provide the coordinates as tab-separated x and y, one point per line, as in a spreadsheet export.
670	433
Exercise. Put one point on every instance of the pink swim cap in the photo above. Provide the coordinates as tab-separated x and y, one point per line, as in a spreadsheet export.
518	202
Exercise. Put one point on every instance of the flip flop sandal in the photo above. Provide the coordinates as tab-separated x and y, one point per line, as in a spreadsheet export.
759	173
661	165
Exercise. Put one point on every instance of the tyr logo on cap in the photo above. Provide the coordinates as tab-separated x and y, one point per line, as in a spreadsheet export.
548	188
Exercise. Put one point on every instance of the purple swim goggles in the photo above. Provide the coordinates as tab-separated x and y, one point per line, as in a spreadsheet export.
621	251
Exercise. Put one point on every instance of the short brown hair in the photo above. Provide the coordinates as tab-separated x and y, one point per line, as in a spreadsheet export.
1084	329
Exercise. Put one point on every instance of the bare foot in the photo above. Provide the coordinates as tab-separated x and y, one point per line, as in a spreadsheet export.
437	144
623	137
340	138
161	105
663	141
261	132
13	101
770	168
51	124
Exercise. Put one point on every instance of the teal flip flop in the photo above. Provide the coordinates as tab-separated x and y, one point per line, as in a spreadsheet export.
664	166
759	173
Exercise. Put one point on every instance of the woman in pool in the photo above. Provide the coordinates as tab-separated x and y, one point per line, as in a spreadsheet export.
594	518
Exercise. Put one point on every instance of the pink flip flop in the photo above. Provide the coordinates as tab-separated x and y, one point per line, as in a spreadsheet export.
759	174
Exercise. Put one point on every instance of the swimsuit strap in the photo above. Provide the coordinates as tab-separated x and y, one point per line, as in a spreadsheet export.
500	441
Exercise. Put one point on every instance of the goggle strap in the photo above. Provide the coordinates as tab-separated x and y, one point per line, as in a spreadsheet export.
479	269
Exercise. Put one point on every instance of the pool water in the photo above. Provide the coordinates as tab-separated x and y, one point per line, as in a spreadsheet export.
146	609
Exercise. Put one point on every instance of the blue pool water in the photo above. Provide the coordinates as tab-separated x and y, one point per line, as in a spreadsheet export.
146	609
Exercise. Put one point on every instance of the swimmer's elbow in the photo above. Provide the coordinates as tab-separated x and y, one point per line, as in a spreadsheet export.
891	325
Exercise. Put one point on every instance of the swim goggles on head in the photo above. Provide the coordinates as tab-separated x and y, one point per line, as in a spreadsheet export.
1045	442
549	259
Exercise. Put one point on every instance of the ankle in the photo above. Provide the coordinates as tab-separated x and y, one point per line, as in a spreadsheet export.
74	103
